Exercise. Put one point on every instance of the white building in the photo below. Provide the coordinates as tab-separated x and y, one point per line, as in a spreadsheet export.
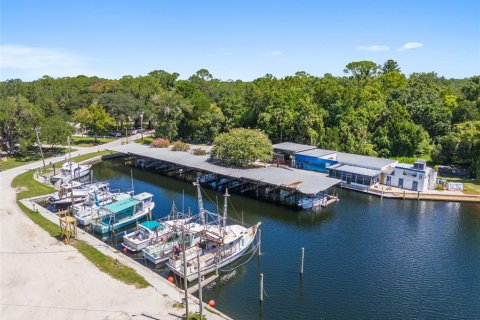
416	177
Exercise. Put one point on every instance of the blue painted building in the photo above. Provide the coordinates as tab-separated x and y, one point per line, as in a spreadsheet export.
316	160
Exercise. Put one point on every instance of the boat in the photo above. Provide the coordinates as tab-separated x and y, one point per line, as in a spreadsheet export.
87	211
146	233
312	202
71	171
123	212
172	241
220	245
77	193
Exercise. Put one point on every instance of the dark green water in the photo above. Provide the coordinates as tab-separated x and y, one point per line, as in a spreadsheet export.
365	258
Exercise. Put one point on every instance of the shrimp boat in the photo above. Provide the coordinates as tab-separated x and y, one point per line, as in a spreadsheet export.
123	212
168	244
146	233
88	211
71	171
220	245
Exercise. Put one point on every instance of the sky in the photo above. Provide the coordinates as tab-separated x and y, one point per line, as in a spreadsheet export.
235	39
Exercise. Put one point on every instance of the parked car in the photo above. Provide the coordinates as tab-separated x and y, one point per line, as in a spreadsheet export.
133	131
140	130
116	134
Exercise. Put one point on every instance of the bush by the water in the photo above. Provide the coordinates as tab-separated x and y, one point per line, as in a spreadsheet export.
199	152
241	147
180	146
160	143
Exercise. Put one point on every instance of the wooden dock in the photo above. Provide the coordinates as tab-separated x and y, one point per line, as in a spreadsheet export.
205	282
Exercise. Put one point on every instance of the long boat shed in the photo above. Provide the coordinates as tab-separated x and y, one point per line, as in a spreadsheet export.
280	184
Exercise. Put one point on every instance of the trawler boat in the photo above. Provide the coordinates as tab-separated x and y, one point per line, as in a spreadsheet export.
123	212
221	245
71	171
161	250
78	193
88	211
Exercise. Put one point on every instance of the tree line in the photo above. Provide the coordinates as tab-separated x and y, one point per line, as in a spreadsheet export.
373	109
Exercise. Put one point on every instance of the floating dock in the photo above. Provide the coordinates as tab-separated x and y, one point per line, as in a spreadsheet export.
278	184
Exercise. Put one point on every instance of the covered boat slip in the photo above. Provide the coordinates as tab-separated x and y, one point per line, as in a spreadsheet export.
278	184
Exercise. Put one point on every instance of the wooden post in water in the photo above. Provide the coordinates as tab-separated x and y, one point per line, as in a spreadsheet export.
261	287
418	195
301	264
200	302
259	242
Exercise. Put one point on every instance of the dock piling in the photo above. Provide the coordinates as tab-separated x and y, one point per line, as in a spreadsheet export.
200	301
259	242
301	264
261	287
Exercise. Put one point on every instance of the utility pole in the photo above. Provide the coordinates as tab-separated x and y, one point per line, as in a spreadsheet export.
199	286
185	280
40	145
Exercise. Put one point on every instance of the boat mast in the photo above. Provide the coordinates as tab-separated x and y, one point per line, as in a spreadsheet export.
200	202
131	179
225	207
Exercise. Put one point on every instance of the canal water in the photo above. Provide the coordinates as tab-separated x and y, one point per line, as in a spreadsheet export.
365	258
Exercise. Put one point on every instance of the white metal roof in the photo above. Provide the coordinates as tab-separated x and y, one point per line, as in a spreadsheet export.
292	147
364	161
306	182
357	170
316	152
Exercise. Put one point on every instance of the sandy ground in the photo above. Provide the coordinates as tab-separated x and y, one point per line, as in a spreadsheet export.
41	278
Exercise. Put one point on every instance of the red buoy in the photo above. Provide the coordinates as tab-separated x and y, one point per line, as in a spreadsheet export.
124	250
170	279
211	303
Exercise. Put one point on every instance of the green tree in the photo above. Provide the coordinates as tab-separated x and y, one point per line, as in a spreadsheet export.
56	130
95	119
241	147
18	118
169	108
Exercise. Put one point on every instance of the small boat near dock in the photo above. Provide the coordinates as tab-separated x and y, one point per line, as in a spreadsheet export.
71	171
123	212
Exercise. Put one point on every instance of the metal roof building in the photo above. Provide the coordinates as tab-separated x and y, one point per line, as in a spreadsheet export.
316	152
306	182
291	147
365	161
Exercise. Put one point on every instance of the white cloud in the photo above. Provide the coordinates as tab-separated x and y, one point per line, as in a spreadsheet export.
276	53
410	45
35	62
374	48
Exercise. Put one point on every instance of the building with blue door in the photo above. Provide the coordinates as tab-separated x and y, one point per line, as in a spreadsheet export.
316	160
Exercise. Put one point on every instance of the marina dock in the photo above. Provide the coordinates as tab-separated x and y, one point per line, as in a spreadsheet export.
278	184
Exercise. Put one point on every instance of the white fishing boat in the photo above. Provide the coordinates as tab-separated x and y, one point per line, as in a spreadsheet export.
172	241
74	193
123	212
221	245
71	171
87	211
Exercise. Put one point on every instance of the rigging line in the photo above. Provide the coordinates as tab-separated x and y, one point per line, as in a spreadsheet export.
240	265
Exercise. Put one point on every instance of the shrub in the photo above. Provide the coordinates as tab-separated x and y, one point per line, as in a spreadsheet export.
160	143
199	152
180	146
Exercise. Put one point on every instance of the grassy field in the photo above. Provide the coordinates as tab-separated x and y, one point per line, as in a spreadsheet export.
469	186
28	187
87	141
12	162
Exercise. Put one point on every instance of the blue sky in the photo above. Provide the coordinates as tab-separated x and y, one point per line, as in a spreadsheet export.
235	39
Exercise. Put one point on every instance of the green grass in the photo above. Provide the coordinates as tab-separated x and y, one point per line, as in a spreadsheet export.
146	140
16	161
29	187
87	141
469	186
110	266
84	157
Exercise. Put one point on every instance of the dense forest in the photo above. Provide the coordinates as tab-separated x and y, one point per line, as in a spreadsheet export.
372	110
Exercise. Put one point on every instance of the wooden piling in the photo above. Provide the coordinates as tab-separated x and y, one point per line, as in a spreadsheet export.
200	303
261	287
301	264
